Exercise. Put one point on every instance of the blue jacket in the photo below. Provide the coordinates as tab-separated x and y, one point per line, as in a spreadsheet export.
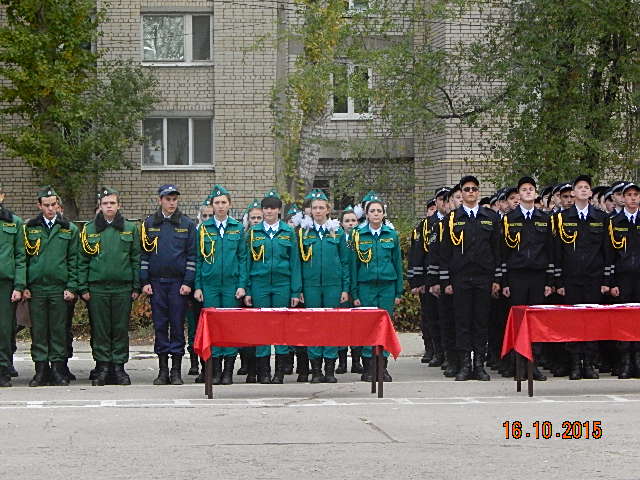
168	248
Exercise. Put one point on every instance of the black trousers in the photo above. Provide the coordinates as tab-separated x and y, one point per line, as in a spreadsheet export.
429	322
583	290
472	300
629	284
527	288
446	321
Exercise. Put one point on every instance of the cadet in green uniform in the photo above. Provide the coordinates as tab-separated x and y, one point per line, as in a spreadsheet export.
51	243
273	265
108	281
221	274
325	275
12	283
376	275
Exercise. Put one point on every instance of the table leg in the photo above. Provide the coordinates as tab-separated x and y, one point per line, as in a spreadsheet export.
373	369
530	377
380	362
518	372
208	378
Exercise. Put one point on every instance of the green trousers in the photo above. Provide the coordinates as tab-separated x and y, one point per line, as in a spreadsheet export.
110	314
221	298
7	312
318	297
269	296
380	295
49	325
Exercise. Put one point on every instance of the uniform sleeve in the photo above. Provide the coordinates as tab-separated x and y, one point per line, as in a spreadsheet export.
83	270
396	256
190	270
504	254
20	258
134	258
72	260
247	268
433	269
558	255
197	284
353	270
416	257
551	267
144	260
496	239
607	276
445	251
296	268
243	276
345	263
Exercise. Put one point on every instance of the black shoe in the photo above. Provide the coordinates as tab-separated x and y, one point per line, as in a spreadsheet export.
538	375
120	376
58	377
366	369
329	370
5	377
386	377
427	357
635	367
175	375
588	371
227	371
464	373
316	371
41	378
263	368
163	370
576	368
625	366
452	365
216	365
342	361
561	371
281	363
356	356
92	373
479	373
70	376
437	360
100	377
193	361
203	369
251	370
244	357
303	366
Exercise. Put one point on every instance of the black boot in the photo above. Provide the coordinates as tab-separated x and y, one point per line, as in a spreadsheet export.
428	352
625	366
216	365
303	365
243	362
342	361
100	376
193	360
329	370
636	364
386	377
366	369
120	376
58	377
12	369
67	373
163	370
5	377
92	373
203	372
281	363
288	364
356	355
452	364
479	373
264	369
175	376
251	369
588	370
227	371
438	358
316	370
576	367
538	375
41	378
465	366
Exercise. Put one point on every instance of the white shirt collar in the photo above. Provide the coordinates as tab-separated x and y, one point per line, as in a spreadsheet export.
317	226
273	227
52	221
629	214
584	211
224	222
474	210
440	216
525	211
377	231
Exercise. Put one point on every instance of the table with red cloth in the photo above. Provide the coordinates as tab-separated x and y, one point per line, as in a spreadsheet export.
331	327
566	323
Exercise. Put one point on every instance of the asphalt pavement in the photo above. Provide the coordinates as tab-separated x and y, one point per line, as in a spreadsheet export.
425	427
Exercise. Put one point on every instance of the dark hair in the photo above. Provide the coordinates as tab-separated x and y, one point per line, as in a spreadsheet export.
347	213
379	202
271	202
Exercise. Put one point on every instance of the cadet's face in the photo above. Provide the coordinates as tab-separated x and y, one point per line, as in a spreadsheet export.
566	199
169	203
319	211
255	216
349	221
618	198
221	206
470	193
270	215
48	206
441	204
527	192
109	206
375	214
431	210
456	199
582	191
206	213
631	199
513	201
609	205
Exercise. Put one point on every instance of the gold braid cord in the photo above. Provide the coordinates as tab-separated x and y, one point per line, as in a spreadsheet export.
209	256
441	227
617	244
425	236
260	253
512	242
86	246
455	240
148	245
566	238
29	248
305	256
362	256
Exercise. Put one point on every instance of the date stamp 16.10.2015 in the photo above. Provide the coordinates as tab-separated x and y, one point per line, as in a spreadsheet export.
567	430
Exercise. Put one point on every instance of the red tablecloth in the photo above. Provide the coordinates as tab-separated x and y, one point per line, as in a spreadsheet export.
560	323
248	327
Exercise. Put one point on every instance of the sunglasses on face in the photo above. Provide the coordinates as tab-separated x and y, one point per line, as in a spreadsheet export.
470	189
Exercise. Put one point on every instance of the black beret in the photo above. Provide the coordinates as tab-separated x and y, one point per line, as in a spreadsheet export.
582	178
525	180
469	179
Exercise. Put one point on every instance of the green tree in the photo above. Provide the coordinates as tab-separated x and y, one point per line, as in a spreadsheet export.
70	115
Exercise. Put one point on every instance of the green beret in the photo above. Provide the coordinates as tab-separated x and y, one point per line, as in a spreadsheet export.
316	194
46	191
218	191
106	191
273	193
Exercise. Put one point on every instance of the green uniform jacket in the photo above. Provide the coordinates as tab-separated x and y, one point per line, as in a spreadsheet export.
13	264
274	261
52	263
117	262
329	263
385	264
227	267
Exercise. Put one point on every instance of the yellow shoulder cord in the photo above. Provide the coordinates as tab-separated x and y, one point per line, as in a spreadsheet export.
148	245
568	239
553	225
441	227
256	255
512	242
86	246
305	256
363	257
425	236
459	240
208	257
617	244
29	248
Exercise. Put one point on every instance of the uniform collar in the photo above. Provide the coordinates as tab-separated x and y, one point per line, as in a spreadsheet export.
584	211
629	214
474	210
274	228
217	222
102	224
159	217
525	211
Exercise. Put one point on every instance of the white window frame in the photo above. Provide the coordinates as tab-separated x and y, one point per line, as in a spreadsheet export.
353	8
188	45
351	114
191	166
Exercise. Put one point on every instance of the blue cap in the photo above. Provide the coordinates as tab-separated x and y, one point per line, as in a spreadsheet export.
168	189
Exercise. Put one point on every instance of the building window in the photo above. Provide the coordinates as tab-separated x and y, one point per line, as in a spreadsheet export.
348	102
358	5
181	39
178	142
